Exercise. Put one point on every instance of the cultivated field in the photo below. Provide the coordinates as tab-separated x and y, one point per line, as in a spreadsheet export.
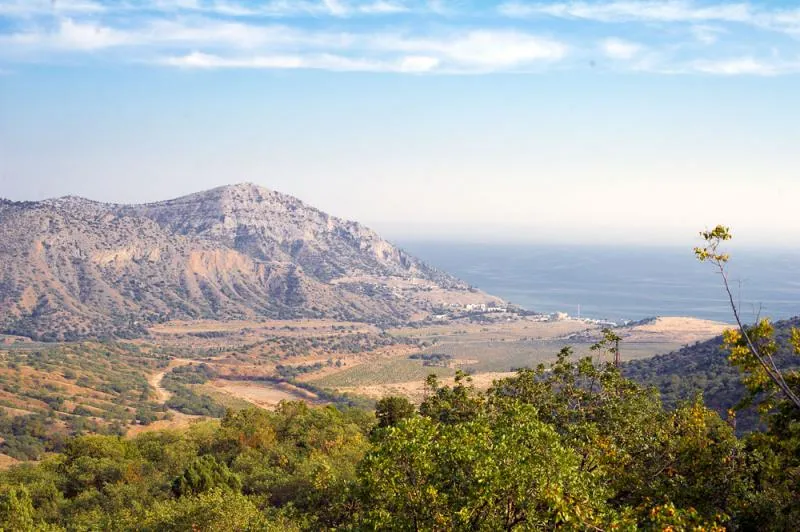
486	350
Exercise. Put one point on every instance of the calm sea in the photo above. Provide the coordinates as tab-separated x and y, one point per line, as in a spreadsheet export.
622	283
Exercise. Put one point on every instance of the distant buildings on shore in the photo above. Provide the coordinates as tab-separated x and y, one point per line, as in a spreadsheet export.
483	307
455	310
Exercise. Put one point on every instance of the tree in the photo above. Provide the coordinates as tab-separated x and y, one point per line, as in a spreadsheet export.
16	510
391	410
217	510
609	343
773	502
751	348
503	471
689	457
451	404
205	474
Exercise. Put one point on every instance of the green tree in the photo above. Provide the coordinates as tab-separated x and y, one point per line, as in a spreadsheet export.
493	472
454	404
16	510
391	410
216	510
619	430
205	474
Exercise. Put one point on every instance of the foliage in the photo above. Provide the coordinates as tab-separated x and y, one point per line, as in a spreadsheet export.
391	410
184	398
204	474
752	348
501	471
572	446
70	389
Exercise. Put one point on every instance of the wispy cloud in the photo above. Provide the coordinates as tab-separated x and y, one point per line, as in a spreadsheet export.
484	49
627	11
707	34
197	60
746	65
474	52
284	8
28	8
666	11
408	36
616	48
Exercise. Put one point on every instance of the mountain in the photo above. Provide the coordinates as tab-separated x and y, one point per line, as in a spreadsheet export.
73	268
704	368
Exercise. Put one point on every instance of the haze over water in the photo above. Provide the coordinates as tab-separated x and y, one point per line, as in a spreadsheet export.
622	283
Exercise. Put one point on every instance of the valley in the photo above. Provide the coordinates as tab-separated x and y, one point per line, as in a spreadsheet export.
182	372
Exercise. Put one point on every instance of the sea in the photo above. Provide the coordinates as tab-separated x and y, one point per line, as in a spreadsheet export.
622	283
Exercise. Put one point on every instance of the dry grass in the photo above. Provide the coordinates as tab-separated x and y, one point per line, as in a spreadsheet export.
6	462
178	421
263	394
381	372
675	330
514	329
415	390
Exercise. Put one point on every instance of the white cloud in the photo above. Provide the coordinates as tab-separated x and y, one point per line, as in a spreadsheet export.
619	49
666	11
28	8
502	49
707	34
480	49
743	66
70	36
238	34
383	7
627	11
88	36
282	8
207	61
331	62
334	7
418	63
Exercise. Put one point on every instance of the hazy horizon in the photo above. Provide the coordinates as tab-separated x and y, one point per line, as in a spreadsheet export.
489	234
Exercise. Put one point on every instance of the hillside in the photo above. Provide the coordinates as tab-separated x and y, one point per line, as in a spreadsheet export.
703	367
73	268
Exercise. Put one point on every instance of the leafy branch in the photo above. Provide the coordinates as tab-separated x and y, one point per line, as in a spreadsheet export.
755	341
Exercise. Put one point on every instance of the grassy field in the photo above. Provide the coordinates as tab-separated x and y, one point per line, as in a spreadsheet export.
475	357
382	371
220	397
509	355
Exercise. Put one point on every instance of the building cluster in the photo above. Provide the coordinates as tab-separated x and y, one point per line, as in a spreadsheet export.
483	307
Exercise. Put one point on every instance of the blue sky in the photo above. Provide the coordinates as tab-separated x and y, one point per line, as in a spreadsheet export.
599	121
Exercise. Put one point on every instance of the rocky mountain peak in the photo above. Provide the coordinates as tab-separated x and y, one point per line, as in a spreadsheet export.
72	267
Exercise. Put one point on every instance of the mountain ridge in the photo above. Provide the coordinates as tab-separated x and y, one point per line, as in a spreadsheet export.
74	268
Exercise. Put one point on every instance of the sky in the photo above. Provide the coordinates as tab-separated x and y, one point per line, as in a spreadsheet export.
604	122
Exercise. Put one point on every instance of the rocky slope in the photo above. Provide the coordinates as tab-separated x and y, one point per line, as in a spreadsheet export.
72	268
